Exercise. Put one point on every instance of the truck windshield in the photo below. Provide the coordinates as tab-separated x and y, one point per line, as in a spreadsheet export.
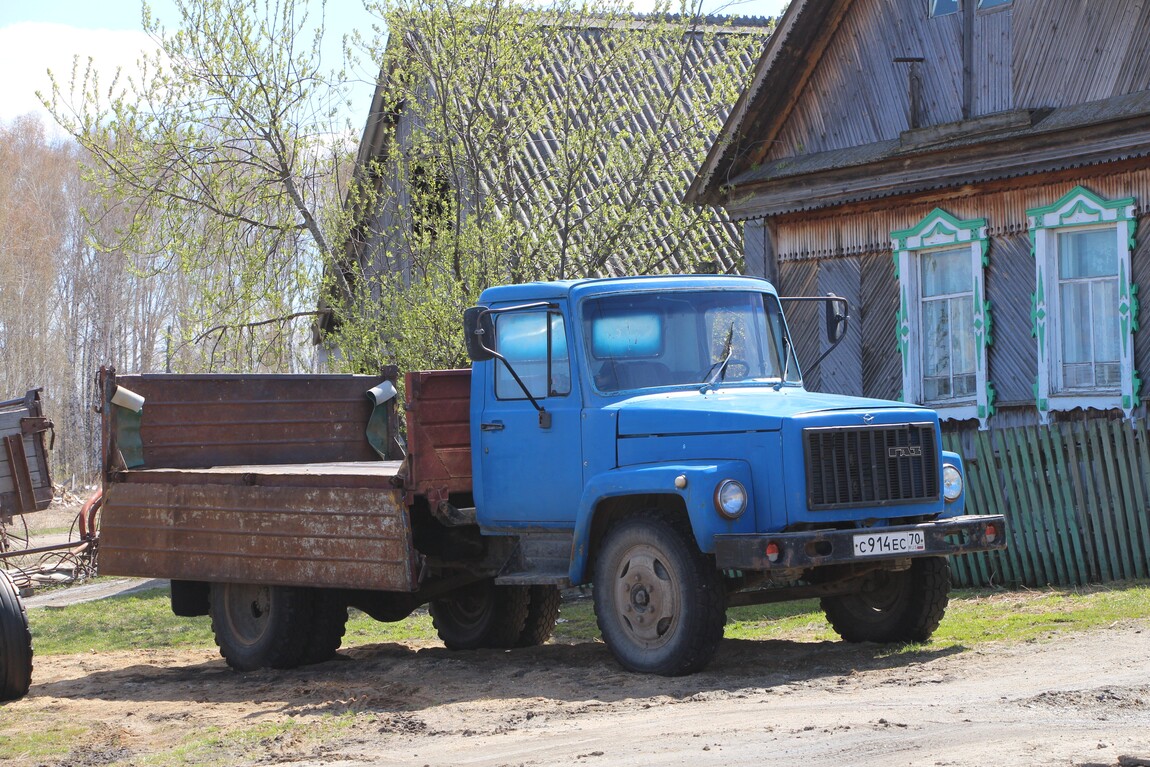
689	338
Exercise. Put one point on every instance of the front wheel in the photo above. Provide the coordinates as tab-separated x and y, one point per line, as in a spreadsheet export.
261	626
893	605
659	602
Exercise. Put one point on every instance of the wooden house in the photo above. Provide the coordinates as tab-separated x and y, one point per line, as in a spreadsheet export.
550	177
974	176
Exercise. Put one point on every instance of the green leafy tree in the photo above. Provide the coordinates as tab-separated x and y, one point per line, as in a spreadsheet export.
530	145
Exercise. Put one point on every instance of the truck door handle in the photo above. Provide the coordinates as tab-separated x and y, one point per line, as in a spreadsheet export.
495	426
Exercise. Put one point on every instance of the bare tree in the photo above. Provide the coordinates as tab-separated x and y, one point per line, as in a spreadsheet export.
221	163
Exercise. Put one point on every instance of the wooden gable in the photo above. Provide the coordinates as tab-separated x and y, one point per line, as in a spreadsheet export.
862	100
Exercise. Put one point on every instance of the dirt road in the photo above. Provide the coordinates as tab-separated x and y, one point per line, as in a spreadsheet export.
1072	700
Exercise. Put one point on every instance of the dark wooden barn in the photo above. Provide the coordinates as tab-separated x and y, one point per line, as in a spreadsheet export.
974	176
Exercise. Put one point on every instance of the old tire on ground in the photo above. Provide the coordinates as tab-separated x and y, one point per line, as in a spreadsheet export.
15	642
329	622
480	615
659	601
542	612
261	626
893	606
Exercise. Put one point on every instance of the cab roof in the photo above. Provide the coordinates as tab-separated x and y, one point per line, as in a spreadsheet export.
550	291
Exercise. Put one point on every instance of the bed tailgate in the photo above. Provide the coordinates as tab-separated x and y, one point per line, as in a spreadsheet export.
254	479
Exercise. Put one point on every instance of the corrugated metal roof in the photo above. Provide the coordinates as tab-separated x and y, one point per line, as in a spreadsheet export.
533	166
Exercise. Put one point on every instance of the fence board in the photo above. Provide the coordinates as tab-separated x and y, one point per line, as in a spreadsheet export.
1056	532
1029	553
1008	559
1136	567
1102	469
1092	520
1070	522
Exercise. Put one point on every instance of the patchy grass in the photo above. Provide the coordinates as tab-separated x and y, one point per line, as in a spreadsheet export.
220	747
144	620
29	742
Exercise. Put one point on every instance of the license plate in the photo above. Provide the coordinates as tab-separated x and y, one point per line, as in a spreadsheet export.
889	544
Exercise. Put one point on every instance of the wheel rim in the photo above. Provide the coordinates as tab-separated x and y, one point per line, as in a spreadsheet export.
883	591
647	596
471	606
247	609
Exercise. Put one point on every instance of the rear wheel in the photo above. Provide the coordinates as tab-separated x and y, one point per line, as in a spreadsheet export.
261	626
15	642
542	613
481	615
329	622
659	601
893	605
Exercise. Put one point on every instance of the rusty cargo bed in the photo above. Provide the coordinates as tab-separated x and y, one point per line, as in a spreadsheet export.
288	480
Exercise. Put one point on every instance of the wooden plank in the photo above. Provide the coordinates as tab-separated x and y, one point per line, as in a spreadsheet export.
1103	521
1009	559
1043	556
1022	515
325	536
1052	521
1058	528
1135	565
1120	542
1140	465
1078	449
1044	486
1068	476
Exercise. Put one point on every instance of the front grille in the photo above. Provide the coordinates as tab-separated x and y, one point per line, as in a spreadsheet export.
851	466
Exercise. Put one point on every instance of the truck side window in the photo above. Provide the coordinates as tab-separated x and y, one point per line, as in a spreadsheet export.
521	337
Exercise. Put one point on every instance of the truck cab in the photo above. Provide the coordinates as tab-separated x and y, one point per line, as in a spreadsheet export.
658	430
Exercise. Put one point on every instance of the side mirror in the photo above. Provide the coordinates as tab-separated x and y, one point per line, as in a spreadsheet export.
479	333
837	309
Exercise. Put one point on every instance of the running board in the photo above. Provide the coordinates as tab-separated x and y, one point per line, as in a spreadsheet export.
540	559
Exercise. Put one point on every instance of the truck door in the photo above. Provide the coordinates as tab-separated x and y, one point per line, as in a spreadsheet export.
531	472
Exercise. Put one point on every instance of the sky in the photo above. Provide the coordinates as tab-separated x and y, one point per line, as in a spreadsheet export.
41	35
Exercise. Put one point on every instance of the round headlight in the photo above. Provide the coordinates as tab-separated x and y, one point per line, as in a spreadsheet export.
730	498
951	482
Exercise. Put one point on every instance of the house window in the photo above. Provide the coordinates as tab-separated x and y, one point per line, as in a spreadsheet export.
947	296
943	7
944	319
986	4
1084	306
1088	298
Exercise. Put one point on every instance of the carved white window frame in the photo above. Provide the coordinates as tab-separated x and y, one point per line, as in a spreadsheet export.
938	231
1081	209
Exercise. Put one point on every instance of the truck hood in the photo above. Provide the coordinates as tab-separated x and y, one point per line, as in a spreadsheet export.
732	410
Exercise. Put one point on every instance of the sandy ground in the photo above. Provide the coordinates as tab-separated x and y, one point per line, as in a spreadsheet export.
1075	699
1079	699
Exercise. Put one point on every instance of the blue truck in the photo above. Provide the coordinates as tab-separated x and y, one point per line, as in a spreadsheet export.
650	437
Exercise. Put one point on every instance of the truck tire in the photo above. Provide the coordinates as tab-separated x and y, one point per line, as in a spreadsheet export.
15	642
542	613
261	626
329	622
893	606
481	615
659	601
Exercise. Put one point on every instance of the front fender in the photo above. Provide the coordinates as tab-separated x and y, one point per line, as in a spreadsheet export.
702	478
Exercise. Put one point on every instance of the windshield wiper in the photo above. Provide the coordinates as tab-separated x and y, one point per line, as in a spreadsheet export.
719	370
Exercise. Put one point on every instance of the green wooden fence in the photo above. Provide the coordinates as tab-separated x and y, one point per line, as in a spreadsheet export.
1075	496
